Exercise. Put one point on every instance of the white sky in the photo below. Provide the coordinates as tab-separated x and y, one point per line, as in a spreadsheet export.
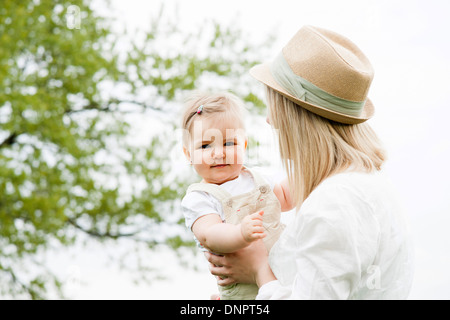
408	44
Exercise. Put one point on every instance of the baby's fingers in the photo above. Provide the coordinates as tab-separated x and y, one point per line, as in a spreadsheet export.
257	215
257	236
257	229
256	223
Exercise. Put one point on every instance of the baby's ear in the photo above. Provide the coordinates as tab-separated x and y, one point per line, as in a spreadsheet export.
187	154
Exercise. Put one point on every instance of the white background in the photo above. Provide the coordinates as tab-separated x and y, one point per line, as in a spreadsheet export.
408	44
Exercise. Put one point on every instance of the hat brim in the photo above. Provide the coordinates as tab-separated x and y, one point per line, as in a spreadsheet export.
262	73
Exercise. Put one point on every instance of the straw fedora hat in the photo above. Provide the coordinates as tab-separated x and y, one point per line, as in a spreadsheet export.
323	72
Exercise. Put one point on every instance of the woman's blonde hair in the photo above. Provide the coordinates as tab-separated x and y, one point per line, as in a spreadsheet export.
313	148
221	104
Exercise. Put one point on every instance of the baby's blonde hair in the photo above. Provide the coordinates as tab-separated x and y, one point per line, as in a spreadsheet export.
222	104
313	148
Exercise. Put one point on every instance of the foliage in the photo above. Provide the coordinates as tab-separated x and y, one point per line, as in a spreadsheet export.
69	164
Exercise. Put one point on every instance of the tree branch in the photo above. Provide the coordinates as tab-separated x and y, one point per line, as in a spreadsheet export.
100	235
92	106
10	140
138	103
107	108
28	289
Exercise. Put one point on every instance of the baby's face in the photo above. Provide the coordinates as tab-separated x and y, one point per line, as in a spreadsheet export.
217	149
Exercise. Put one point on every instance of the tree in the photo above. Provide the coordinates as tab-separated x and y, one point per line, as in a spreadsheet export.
68	165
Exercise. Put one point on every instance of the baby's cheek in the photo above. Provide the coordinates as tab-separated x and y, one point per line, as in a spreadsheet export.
230	159
207	160
239	157
201	158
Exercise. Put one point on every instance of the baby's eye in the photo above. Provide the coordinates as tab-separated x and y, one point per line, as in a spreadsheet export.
204	146
229	144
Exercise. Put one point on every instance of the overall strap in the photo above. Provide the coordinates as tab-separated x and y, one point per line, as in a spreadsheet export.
213	189
257	178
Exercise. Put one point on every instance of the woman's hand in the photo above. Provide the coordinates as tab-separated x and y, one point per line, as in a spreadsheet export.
248	265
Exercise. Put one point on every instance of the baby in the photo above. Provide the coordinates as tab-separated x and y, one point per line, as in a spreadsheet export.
232	206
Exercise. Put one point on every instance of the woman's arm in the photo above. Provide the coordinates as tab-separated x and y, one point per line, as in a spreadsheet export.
281	190
248	265
220	237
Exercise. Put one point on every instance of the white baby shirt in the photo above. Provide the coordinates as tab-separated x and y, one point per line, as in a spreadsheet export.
198	203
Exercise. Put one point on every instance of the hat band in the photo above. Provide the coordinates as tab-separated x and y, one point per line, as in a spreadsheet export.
304	90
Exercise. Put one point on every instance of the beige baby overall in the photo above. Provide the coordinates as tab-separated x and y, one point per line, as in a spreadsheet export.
235	209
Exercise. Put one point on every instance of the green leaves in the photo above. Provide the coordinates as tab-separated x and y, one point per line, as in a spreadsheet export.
69	99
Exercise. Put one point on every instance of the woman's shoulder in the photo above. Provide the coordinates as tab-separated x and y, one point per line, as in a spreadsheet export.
348	191
355	181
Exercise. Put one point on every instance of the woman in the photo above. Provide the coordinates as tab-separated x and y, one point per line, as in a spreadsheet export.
348	239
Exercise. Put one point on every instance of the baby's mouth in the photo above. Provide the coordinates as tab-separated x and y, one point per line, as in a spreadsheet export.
219	166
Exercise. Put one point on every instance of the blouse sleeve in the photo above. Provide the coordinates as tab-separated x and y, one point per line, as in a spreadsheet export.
334	240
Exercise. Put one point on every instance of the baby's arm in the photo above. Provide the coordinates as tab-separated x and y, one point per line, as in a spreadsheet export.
281	190
220	237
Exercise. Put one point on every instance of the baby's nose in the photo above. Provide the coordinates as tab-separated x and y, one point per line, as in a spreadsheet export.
218	152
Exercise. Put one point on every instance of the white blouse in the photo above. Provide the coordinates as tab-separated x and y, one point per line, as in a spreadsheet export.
348	241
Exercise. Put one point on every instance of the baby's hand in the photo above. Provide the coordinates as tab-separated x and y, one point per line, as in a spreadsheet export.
252	227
